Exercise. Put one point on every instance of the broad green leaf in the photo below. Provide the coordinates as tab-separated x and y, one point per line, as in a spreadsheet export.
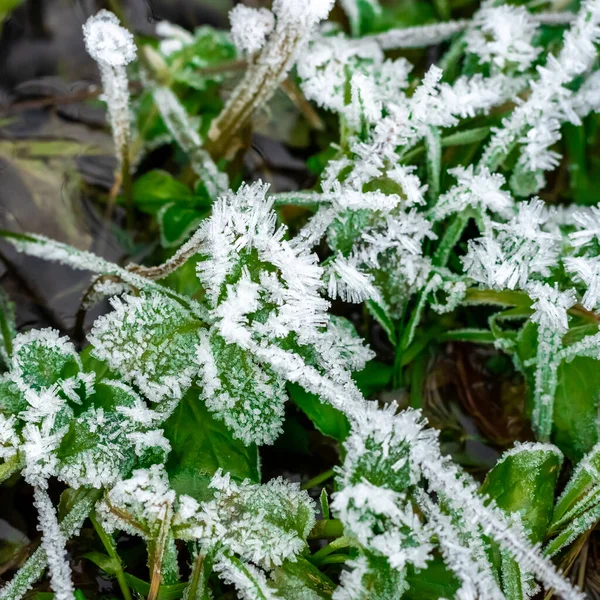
433	582
41	358
379	580
346	229
249	581
328	420
301	580
210	47
200	446
12	401
150	340
375	377
523	481
576	406
92	455
250	397
363	15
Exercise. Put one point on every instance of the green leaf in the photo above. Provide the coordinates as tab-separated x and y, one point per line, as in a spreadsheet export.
375	377
328	420
363	15
6	7
106	563
383	317
166	592
433	147
379	580
433	582
150	340
523	481
576	406
200	446
177	223
301	580
8	328
155	189
476	336
250	398
581	491
478	296
42	358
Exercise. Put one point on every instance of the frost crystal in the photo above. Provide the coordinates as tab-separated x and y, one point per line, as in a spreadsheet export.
250	27
480	190
503	36
551	306
586	270
509	254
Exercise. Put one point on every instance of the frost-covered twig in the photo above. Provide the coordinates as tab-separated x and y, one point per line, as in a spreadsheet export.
113	48
295	21
422	36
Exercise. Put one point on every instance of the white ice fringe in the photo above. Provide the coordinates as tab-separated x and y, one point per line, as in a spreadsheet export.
54	543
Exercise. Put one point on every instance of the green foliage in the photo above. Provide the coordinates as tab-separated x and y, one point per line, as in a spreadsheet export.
200	446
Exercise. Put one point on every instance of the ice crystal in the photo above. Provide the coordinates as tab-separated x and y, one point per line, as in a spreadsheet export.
509	254
503	36
250	27
551	306
535	123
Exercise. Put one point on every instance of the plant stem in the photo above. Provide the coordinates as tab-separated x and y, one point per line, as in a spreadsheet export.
198	586
315	481
111	549
157	553
128	187
327	528
338	544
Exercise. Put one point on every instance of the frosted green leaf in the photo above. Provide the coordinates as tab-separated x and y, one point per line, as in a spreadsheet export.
523	481
250	582
150	341
370	577
301	580
265	524
41	358
108	439
522	484
245	394
582	491
12	400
